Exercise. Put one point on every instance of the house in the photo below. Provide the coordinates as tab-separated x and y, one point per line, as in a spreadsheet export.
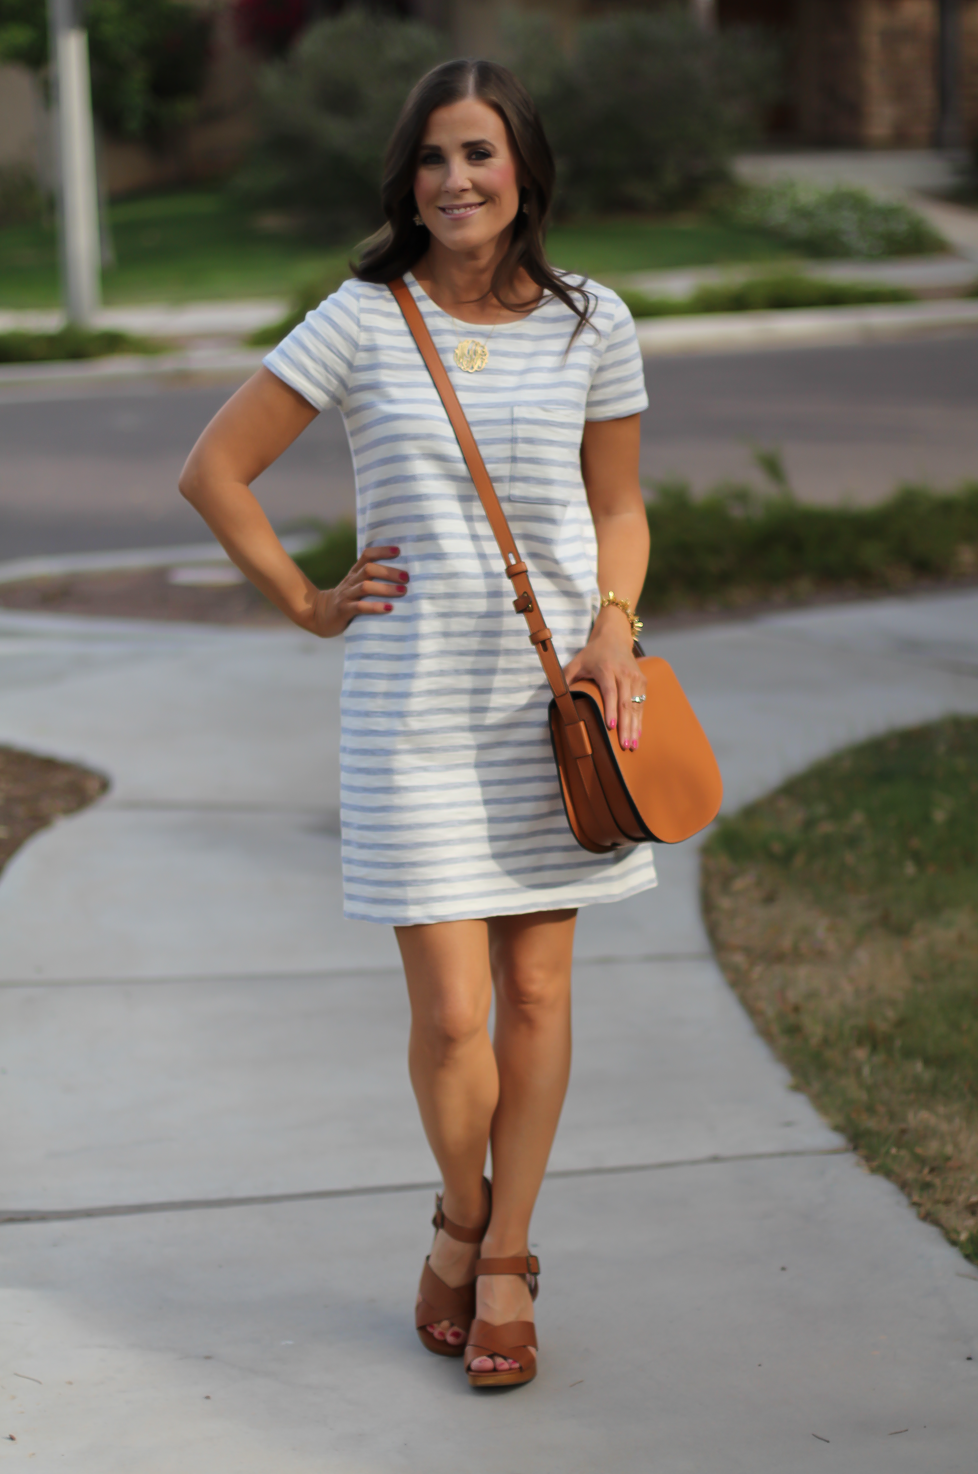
858	73
874	74
896	74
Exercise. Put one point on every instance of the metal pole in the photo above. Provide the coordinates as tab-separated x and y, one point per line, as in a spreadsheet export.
949	129
78	189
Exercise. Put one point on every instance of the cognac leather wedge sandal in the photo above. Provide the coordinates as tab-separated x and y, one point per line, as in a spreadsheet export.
516	1339
448	1302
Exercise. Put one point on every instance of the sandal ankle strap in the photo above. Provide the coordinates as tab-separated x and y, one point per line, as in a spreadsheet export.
459	1231
522	1264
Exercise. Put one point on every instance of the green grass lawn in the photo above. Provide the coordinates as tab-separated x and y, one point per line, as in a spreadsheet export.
194	245
612	248
843	910
189	246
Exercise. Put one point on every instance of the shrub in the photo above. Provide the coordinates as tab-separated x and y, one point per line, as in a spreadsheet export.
71	342
648	110
304	299
22	201
327	112
331	559
764	293
738	543
839	220
735	544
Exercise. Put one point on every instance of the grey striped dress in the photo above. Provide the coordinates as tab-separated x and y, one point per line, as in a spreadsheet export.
450	805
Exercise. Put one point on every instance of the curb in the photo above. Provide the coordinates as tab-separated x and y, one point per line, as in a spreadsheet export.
729	331
709	332
131	366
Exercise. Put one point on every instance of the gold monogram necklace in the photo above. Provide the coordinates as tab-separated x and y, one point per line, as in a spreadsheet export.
471	354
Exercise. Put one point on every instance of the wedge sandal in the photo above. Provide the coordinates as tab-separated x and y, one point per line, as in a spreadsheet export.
516	1339
448	1302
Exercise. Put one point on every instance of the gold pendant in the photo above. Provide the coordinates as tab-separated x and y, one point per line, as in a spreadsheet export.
471	355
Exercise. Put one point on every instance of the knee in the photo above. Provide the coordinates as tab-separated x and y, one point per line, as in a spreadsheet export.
533	993
451	1024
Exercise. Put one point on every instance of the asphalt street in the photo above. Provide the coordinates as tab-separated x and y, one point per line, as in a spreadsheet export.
95	467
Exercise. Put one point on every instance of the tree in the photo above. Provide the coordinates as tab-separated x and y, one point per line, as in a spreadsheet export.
149	60
24	33
327	111
272	26
148	57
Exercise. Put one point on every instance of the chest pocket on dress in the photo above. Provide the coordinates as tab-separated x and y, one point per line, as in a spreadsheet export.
546	461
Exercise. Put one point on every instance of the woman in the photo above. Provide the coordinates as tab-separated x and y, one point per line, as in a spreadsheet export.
453	828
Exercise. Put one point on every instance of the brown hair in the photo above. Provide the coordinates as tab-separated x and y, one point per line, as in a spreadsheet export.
400	243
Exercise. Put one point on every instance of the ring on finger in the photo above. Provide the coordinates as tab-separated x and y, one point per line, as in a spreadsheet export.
637	700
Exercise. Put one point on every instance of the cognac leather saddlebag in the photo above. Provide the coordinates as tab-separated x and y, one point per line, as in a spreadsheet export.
667	789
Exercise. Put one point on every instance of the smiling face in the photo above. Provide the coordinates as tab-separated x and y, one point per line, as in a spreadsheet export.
467	185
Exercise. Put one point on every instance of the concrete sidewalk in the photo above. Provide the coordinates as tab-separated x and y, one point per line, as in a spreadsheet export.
717	332
216	1190
182	320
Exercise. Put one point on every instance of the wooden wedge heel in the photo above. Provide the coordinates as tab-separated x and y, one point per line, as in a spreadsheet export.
516	1340
448	1302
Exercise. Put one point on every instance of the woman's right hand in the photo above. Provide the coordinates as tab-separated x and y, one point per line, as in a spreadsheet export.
368	588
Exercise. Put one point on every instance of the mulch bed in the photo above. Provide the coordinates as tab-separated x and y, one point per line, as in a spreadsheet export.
35	791
146	593
141	593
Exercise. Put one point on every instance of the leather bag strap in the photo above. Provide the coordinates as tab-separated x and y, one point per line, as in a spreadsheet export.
525	602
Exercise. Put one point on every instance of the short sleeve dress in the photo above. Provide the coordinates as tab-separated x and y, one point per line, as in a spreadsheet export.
450	805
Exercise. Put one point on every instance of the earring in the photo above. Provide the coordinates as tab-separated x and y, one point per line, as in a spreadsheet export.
418	220
525	208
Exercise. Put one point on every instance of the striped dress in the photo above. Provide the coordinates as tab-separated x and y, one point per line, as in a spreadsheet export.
450	805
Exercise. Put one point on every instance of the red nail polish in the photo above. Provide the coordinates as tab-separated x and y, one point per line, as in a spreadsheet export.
393	552
612	723
388	608
404	577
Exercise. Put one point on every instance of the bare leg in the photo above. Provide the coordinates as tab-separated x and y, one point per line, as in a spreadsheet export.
464	1087
453	1071
531	960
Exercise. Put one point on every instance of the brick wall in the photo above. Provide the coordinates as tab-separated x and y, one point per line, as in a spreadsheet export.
828	95
898	66
868	71
969	71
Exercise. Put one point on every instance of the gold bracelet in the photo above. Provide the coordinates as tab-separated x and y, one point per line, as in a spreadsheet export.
626	609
